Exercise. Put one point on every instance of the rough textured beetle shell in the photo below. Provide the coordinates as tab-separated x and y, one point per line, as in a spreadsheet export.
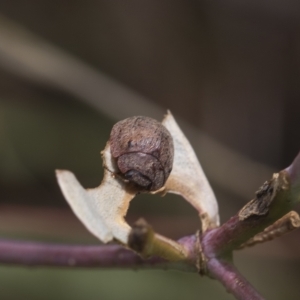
144	151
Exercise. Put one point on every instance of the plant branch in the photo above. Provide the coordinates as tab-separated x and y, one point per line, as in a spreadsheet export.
286	224
147	243
272	201
267	211
233	281
80	256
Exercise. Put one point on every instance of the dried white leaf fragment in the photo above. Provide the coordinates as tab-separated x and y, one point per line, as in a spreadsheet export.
188	179
101	209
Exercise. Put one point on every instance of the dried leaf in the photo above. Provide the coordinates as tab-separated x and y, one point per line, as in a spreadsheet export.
188	179
101	209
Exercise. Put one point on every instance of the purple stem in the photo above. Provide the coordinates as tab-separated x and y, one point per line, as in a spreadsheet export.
294	170
116	256
42	254
256	215
230	235
294	174
102	256
233	281
218	244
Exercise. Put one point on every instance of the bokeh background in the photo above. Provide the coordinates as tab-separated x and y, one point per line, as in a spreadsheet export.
228	70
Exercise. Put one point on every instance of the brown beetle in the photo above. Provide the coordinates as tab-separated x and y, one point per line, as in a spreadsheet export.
144	151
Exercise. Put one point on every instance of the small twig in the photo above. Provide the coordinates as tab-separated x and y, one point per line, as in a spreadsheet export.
286	224
271	203
43	254
233	281
36	254
148	243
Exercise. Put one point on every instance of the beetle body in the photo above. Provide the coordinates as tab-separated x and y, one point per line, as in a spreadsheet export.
143	150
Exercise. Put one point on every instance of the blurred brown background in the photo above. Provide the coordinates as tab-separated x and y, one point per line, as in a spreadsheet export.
229	72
